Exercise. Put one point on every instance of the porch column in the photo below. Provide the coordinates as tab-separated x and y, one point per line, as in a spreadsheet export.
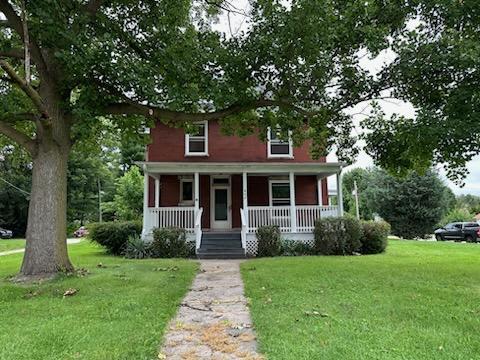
157	191
339	193
320	190
293	209
245	196
196	192
146	215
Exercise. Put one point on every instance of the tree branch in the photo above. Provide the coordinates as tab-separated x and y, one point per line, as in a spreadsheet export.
17	136
27	88
93	6
179	117
15	22
13	53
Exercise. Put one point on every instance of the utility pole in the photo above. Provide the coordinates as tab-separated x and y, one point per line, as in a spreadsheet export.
355	193
99	201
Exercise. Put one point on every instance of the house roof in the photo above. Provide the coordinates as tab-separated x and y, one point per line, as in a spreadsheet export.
306	168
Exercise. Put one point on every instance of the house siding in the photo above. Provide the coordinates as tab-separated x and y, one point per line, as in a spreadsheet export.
168	145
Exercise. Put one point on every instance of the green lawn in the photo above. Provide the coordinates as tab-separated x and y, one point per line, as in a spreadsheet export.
11	244
420	300
120	311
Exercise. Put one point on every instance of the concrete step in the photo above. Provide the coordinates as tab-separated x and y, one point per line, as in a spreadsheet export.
221	236
221	254
220	246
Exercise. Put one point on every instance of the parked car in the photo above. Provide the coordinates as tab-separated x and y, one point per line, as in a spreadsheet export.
5	234
459	231
81	232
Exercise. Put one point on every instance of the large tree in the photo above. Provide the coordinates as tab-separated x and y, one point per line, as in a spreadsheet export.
437	69
297	65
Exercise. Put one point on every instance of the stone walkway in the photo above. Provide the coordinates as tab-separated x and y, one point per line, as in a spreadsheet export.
213	321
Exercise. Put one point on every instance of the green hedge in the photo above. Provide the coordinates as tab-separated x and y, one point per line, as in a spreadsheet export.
171	243
295	248
268	238
375	237
114	235
337	236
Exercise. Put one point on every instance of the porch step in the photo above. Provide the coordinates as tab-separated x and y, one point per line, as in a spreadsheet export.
203	253
221	236
226	245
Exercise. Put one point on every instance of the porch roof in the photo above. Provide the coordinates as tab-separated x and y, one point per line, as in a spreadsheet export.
315	168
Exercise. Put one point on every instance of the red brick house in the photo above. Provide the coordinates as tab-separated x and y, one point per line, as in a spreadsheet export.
223	188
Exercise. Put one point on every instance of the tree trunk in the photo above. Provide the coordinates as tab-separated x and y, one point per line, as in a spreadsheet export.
46	245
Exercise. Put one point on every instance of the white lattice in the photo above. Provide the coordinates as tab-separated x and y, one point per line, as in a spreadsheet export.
251	246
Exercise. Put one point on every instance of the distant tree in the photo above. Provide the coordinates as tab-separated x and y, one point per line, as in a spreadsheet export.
413	205
363	177
456	215
15	180
128	200
469	202
87	175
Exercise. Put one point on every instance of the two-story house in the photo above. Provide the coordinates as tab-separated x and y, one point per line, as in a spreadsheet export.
221	189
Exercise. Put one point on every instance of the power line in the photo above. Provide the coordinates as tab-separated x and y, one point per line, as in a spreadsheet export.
16	187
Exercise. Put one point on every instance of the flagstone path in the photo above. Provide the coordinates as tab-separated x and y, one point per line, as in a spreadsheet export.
213	321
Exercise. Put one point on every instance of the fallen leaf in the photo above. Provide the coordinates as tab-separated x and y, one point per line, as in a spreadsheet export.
70	292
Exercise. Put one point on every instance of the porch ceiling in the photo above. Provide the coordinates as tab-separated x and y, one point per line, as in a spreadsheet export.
258	168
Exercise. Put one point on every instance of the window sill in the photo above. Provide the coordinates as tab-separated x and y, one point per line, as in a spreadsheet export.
197	155
280	157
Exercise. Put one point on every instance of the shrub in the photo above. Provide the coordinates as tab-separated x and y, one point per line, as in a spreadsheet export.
114	235
375	237
337	236
136	248
295	248
170	243
268	238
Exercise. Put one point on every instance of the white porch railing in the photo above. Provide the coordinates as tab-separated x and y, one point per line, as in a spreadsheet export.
198	228
244	231
259	216
181	217
306	216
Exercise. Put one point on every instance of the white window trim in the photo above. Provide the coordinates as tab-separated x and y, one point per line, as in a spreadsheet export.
181	202
270	189
187	142
279	156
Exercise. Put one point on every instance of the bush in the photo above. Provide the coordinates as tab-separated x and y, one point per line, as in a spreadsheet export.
114	235
337	236
268	238
136	248
295	248
375	237
171	243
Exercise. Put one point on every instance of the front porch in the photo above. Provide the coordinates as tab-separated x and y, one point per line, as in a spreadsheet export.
205	198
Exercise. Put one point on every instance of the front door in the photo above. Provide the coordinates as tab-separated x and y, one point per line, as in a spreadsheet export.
220	203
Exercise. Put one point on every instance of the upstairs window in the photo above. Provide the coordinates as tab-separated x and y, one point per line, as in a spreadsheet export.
196	144
279	193
278	148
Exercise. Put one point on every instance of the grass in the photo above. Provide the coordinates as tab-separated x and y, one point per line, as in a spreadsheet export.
11	244
420	300
119	312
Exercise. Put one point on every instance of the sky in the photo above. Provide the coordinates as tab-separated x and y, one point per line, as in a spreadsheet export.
234	23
